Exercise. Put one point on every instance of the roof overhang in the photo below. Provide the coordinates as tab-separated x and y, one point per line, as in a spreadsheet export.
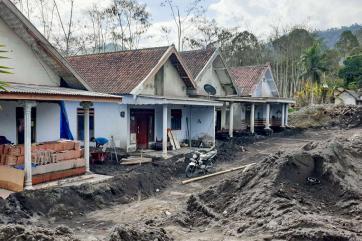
162	100
49	93
241	99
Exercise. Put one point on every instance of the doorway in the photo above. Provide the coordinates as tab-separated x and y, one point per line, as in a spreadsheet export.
20	125
218	120
142	126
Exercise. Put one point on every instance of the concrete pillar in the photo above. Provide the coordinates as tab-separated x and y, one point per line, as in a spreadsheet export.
231	119
223	116
283	116
86	106
252	117
214	125
286	114
267	116
164	131
27	144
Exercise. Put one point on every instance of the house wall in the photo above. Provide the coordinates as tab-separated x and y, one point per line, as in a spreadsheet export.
28	68
210	77
173	84
47	121
345	99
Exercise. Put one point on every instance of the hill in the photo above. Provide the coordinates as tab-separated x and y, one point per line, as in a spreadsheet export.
331	36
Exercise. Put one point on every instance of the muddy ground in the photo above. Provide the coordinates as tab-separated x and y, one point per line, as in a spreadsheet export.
149	203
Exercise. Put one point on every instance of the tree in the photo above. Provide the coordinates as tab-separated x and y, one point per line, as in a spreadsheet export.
131	20
183	21
347	42
3	69
314	65
351	72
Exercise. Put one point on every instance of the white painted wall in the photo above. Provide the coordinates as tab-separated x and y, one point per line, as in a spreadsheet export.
210	77
8	120
28	68
345	99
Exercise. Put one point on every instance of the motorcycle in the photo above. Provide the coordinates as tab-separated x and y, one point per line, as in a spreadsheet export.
201	162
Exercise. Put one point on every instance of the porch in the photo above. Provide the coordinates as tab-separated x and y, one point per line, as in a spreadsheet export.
168	124
36	143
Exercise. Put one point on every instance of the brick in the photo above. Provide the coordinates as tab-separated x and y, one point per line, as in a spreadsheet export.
68	145
76	145
20	160
2	149
10	160
14	151
6	149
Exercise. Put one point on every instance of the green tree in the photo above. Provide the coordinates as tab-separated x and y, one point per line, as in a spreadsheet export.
347	42
314	65
351	72
3	69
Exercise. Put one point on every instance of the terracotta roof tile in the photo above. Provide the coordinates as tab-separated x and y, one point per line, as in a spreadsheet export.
117	72
195	60
247	77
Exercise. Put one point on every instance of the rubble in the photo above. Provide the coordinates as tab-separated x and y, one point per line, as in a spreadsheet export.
327	116
127	233
274	200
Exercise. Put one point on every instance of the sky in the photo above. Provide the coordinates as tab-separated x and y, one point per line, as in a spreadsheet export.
260	17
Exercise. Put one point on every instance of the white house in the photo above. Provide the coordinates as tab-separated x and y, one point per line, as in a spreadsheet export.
156	90
32	108
347	97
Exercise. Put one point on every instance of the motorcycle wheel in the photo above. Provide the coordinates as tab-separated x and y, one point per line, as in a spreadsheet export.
190	171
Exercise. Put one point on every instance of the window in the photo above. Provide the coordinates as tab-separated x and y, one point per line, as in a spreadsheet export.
176	119
80	125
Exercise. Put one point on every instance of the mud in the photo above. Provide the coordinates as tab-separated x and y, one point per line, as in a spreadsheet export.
273	200
327	116
29	233
128	184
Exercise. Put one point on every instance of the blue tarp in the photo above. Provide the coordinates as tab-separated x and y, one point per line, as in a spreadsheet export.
65	132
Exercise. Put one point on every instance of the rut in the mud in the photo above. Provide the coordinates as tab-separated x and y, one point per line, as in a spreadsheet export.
273	199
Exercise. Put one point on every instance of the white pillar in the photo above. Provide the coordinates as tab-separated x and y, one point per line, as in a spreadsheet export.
86	106
164	132
267	116
283	116
27	144
286	114
223	116
252	116
214	125
231	120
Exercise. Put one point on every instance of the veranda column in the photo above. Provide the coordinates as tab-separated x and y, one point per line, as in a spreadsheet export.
164	132
231	120
252	113
86	106
283	116
27	144
267	116
223	116
286	114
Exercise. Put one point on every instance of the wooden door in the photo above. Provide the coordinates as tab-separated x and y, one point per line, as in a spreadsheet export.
142	125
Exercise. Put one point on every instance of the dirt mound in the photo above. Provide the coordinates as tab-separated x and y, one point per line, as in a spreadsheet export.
327	116
65	202
127	233
30	233
313	193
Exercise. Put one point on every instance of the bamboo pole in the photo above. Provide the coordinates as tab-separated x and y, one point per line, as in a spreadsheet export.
217	173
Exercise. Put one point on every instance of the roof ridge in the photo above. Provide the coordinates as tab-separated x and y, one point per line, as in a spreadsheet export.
251	66
198	50
121	51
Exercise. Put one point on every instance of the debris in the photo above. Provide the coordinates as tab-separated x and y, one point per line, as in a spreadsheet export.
128	233
135	160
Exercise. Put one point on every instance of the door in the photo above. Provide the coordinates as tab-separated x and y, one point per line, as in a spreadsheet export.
218	120
142	125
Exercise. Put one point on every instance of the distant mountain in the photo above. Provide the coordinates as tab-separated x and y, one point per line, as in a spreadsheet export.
331	36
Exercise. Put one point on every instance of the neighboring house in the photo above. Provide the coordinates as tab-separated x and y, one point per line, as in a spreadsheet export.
32	108
347	97
156	90
242	90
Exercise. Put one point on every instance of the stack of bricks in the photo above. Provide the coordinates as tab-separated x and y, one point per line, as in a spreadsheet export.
42	153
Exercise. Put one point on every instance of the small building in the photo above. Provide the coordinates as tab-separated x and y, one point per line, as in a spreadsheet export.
32	116
156	89
343	96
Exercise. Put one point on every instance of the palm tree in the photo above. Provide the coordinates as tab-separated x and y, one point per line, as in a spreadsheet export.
314	65
3	69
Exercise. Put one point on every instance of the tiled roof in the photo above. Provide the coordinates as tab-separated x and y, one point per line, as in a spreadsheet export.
246	78
117	72
195	60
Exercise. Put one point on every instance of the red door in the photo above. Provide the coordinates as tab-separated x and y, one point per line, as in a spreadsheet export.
142	125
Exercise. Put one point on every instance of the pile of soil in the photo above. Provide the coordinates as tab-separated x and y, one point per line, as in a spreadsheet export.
327	116
312	193
30	233
127	233
128	184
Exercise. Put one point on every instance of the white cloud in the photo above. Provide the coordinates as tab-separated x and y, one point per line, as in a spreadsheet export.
260	16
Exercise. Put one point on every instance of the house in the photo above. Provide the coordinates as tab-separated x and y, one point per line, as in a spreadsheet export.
242	90
32	108
156	90
343	96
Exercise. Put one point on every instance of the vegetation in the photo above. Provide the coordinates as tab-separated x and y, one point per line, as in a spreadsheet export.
351	72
